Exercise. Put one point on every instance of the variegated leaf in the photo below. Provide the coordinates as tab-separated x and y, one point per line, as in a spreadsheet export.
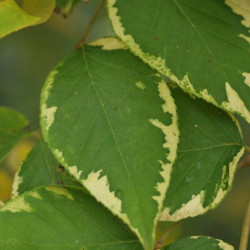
112	123
199	242
40	168
59	218
202	46
208	153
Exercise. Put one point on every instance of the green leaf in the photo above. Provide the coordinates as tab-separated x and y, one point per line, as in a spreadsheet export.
13	127
56	218
102	112
65	7
206	54
199	242
32	12
209	149
40	168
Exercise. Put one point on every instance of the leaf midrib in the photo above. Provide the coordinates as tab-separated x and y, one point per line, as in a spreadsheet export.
114	138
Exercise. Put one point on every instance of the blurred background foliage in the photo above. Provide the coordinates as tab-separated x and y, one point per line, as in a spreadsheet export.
27	56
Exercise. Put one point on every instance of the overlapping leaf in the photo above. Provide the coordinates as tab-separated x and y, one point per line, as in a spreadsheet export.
32	12
112	123
200	45
61	218
40	168
13	127
199	242
208	152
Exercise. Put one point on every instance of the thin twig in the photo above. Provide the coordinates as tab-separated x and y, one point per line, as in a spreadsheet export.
245	229
90	25
160	243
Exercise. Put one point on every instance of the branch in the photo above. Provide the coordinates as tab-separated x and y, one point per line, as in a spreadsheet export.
160	243
245	229
90	25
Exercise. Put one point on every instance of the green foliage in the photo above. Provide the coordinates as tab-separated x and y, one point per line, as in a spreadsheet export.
187	41
122	146
31	12
13	127
114	118
40	168
198	242
208	151
61	218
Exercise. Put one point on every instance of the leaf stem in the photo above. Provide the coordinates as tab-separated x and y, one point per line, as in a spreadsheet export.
90	25
245	229
160	243
36	134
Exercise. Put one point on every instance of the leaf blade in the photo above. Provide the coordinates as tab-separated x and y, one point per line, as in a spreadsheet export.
198	58
40	168
14	18
86	223
199	242
105	104
13	127
209	149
